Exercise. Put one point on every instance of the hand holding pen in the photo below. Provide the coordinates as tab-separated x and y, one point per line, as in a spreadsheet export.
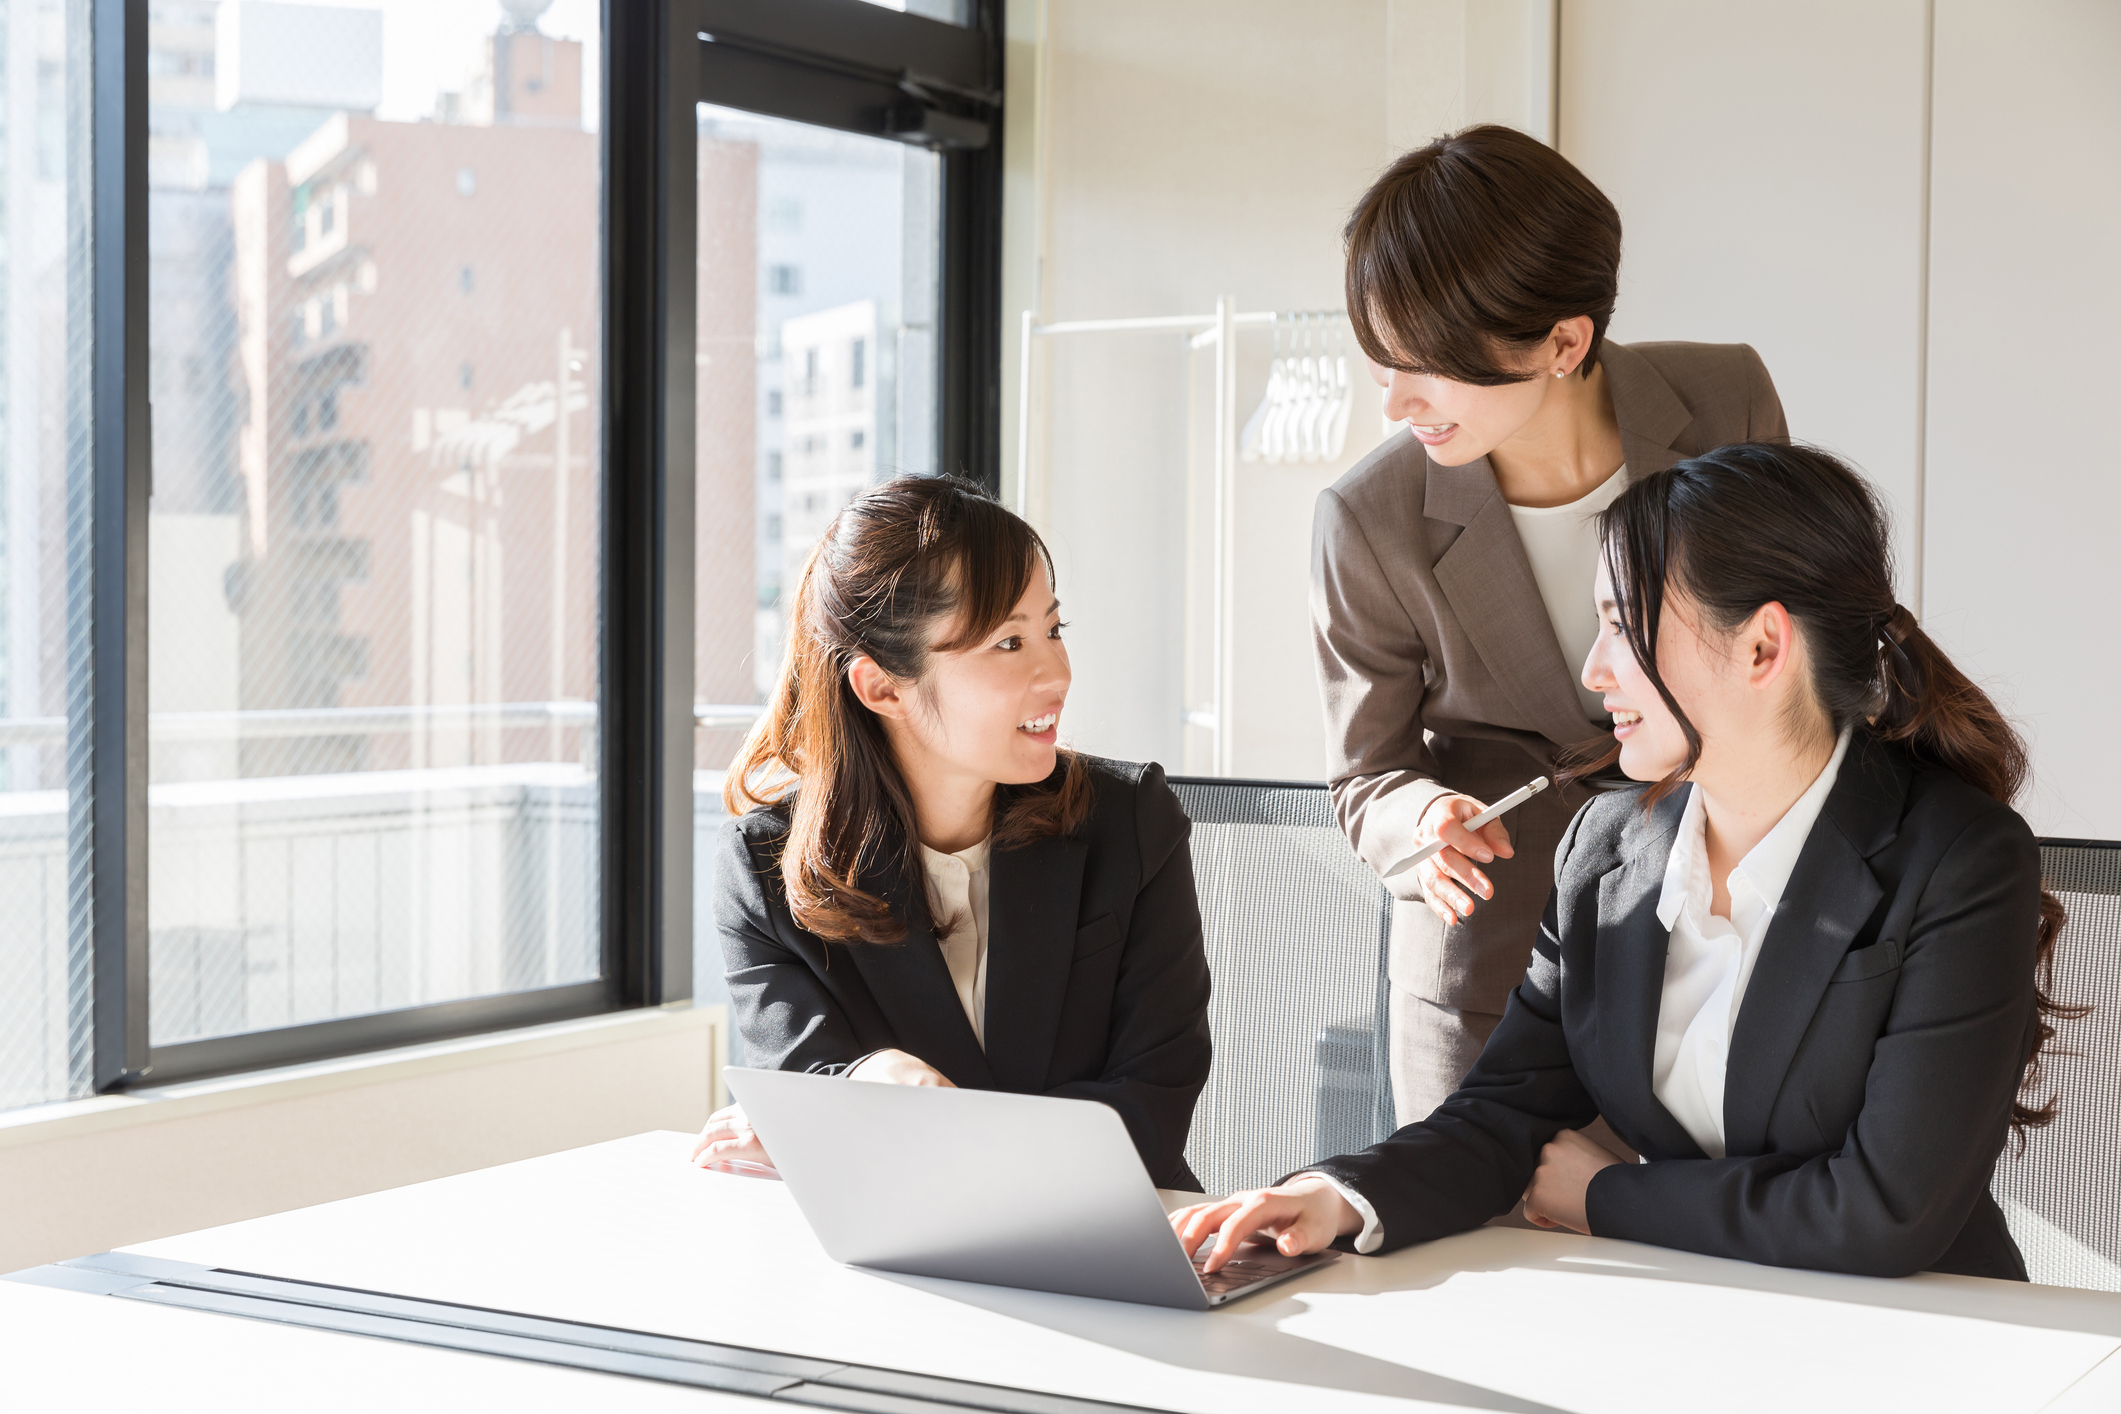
1458	833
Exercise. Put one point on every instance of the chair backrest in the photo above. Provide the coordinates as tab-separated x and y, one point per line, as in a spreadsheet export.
1296	928
2062	1192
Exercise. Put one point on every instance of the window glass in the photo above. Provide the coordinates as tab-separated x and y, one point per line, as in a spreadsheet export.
44	539
953	12
373	540
818	258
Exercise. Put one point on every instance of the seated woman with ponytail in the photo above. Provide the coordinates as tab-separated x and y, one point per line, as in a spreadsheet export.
920	887
1801	970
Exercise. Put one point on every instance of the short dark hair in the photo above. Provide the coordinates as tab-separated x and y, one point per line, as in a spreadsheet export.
1481	241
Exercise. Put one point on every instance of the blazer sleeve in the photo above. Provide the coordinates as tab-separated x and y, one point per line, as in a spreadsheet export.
1763	405
1937	1098
787	1018
1157	1057
1371	676
1472	1159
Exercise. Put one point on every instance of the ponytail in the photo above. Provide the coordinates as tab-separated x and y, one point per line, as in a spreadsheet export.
1938	713
1755	523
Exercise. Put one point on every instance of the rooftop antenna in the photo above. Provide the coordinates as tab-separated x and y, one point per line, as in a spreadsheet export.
523	14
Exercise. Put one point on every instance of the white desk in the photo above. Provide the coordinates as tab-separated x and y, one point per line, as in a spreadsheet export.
67	1351
627	1234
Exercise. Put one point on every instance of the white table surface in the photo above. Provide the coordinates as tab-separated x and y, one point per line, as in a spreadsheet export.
73	1352
628	1234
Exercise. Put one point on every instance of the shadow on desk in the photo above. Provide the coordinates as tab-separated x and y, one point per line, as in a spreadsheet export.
1238	1339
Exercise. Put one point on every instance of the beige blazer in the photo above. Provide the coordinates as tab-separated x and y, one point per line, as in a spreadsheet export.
1438	665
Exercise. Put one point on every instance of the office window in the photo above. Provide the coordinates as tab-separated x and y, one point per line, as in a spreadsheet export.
374	588
326	720
45	525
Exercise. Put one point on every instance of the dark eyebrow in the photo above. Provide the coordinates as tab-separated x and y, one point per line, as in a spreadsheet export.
1017	617
1605	604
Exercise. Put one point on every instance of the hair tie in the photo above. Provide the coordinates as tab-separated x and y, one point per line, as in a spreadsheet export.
1904	674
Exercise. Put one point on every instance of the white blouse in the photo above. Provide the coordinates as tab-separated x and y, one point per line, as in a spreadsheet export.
1710	959
1562	544
1707	965
957	884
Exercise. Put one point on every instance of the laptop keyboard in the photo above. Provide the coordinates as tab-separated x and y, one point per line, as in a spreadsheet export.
1239	1274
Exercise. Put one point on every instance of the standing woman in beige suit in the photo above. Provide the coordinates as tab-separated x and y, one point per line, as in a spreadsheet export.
1451	568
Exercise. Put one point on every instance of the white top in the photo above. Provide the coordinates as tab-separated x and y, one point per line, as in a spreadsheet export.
1706	966
1562	544
1710	958
957	884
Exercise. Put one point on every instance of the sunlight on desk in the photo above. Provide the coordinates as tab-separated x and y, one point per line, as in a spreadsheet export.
1606	1335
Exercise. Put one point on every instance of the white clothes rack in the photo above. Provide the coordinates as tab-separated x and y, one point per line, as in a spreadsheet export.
1217	330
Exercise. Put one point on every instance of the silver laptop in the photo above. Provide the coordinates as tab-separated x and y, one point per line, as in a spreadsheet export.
977	1185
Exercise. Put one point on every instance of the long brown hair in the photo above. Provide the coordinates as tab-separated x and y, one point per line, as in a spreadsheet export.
898	561
1754	523
1480	242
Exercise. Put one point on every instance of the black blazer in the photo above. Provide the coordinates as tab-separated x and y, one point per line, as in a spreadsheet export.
1872	1066
1097	982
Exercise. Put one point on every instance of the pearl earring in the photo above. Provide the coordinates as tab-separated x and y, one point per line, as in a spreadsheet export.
1561	373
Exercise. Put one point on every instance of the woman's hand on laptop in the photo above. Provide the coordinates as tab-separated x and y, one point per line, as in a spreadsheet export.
729	1139
1303	1215
898	1068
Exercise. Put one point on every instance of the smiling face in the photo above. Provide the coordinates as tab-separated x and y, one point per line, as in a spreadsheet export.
1652	743
989	712
1747	691
1459	422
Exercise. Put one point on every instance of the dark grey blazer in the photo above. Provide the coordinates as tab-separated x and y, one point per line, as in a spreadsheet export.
1872	1067
1097	982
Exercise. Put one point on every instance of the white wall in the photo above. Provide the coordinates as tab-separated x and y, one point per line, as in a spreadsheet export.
1161	156
95	1174
1908	206
1767	161
2023	574
1912	211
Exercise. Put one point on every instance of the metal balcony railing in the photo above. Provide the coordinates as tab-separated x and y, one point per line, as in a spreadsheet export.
261	724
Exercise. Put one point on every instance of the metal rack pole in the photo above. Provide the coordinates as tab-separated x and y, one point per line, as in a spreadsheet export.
1218	329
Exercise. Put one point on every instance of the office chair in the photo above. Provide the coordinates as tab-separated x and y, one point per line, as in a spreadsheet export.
1296	929
2059	1191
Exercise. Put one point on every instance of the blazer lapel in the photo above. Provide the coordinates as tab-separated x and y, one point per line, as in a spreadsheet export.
1488	579
912	987
1831	894
1650	415
1033	895
1629	964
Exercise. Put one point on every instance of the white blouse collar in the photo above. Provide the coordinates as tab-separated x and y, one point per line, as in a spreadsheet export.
1766	868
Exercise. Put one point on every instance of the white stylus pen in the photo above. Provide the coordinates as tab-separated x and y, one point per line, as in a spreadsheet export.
1494	812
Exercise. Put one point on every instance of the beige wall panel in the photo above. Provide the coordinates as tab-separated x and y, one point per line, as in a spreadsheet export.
2023	576
1191	150
1767	160
197	1160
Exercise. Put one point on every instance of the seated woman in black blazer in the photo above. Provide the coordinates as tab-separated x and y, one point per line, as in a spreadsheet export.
1800	973
920	887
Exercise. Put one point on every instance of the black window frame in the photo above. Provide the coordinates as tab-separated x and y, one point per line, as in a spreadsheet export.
889	73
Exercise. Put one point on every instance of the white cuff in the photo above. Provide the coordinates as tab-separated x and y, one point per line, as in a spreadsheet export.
1372	1235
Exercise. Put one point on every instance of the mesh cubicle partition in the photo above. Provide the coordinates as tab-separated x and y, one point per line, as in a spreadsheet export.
1295	927
2062	1193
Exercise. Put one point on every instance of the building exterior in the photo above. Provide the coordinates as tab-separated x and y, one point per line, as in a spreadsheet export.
416	320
